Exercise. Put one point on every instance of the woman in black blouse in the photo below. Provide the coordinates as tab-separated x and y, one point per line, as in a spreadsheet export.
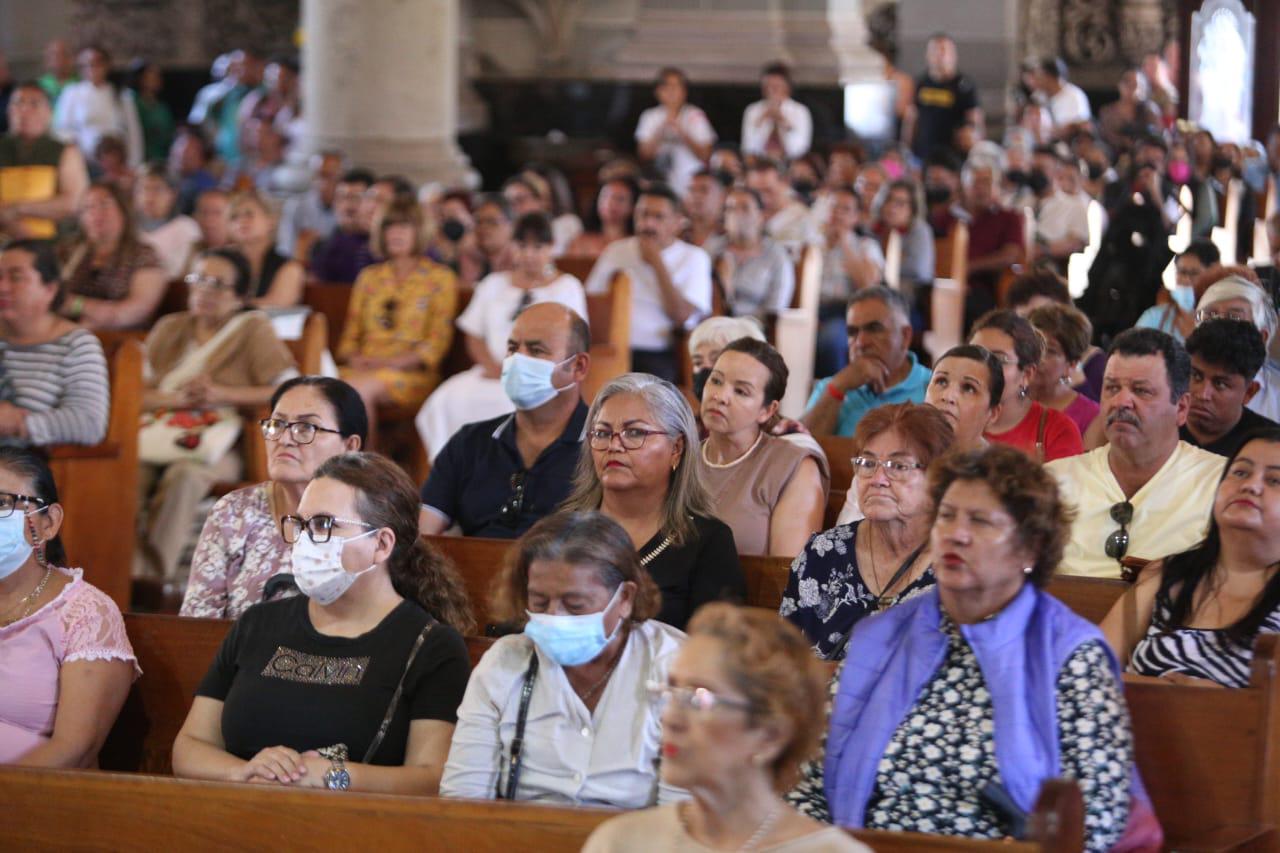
301	687
638	467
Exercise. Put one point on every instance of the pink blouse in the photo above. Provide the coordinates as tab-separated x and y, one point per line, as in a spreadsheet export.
82	623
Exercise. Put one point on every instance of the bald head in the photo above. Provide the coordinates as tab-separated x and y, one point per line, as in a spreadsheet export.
549	330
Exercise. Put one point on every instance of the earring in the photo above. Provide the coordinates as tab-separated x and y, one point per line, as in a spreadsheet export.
1028	570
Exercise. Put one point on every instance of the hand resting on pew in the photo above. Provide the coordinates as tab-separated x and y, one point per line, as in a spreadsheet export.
297	694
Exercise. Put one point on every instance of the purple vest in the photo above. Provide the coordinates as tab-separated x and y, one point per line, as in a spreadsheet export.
893	655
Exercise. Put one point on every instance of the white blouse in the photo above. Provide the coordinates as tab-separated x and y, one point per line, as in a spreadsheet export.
570	756
492	310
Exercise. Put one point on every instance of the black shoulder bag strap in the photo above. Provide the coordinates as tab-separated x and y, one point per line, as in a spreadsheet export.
837	651
517	742
395	697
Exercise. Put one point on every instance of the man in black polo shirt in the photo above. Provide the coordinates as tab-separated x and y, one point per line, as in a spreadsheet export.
945	99
1226	355
498	477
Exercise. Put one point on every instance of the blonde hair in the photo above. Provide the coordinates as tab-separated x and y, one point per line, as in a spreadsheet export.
399	211
686	495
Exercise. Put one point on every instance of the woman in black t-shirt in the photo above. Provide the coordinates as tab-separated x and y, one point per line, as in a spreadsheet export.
302	688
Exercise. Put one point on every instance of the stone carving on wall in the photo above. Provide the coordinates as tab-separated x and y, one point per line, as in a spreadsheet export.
554	21
269	25
184	32
1097	38
1222	53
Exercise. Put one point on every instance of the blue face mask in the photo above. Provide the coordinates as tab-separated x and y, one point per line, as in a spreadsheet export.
14	547
1184	296
571	640
527	380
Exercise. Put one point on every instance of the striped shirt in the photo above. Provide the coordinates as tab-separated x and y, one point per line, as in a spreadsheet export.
1200	652
62	384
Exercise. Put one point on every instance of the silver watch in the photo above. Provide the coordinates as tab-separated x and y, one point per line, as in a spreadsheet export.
336	778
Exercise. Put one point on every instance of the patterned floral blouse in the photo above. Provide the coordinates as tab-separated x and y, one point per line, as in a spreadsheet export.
944	751
826	595
240	549
389	318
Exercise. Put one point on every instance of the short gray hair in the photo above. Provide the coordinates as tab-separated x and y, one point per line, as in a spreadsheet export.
721	331
892	299
686	494
1235	287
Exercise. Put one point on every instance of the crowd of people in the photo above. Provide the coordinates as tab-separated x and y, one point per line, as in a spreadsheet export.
1126	433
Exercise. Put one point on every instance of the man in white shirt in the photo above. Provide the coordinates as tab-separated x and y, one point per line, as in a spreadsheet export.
1062	217
1068	105
93	108
1145	494
670	280
777	126
787	221
675	135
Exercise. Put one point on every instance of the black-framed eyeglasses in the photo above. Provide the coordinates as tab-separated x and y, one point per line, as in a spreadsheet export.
632	438
865	466
319	527
510	511
1117	543
273	429
9	502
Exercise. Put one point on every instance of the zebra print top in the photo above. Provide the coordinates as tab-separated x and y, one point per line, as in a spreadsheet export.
1199	652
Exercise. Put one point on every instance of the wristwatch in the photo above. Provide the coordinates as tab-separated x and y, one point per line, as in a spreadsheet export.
336	778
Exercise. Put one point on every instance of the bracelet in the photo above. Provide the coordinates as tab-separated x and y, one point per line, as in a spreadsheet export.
835	392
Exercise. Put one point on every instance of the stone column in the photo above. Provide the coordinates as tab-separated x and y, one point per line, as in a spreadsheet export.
380	82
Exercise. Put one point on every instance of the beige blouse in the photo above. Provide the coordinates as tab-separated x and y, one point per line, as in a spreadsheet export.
744	492
661	829
252	357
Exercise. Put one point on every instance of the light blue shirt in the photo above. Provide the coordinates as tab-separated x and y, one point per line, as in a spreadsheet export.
862	400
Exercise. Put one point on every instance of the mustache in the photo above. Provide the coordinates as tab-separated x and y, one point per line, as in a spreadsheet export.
1123	416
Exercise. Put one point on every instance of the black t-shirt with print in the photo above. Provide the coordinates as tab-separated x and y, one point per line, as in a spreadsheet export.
283	683
940	109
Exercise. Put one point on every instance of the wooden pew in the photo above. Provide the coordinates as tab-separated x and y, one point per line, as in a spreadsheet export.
174	654
1211	758
1091	598
578	266
98	485
479	562
330	299
839	452
57	810
835	503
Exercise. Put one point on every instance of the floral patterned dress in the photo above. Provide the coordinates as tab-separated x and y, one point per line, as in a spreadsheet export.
943	752
239	550
826	595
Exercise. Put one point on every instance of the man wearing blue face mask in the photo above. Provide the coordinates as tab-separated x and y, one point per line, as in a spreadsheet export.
496	478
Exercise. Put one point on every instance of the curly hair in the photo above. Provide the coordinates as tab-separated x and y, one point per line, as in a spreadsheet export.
770	662
1027	344
1065	324
923	427
386	497
1025	490
579	539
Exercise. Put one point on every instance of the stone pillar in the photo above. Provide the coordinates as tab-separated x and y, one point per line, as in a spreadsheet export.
380	82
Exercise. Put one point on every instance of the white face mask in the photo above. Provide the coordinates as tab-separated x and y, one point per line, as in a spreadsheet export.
318	571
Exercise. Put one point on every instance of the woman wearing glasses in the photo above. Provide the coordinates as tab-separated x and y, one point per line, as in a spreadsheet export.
953	708
65	661
770	491
400	318
477	394
201	364
55	371
1193	617
1039	431
854	570
741	708
559	713
355	684
639	468
241	548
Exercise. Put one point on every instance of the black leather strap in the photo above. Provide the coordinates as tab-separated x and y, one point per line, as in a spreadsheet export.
517	742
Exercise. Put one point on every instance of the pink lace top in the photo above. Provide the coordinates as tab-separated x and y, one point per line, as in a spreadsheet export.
240	549
81	624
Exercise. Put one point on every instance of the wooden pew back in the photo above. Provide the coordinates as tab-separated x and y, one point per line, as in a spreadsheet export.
98	485
330	299
1210	758
174	653
1091	598
839	452
57	810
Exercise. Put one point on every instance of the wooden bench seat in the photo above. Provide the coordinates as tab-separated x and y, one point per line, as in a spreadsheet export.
57	810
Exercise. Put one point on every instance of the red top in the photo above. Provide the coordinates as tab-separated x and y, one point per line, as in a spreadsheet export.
1061	435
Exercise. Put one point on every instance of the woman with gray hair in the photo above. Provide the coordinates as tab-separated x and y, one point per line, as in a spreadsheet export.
639	468
1238	298
710	337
